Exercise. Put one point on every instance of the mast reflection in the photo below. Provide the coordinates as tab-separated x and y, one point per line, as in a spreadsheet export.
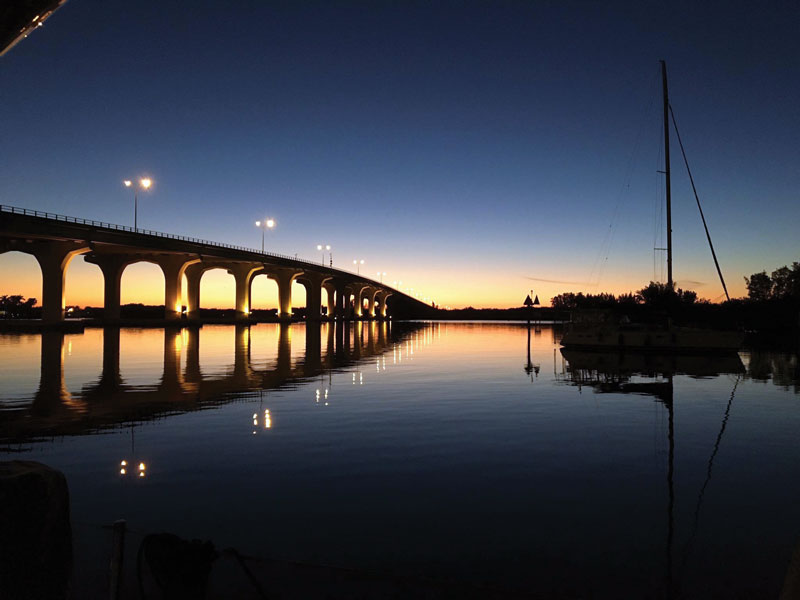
612	372
182	385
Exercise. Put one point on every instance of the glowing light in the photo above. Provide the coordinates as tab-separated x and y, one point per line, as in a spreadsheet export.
122	471
141	473
141	466
128	183
270	223
124	463
146	182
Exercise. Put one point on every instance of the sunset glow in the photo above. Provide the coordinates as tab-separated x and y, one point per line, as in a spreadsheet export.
473	178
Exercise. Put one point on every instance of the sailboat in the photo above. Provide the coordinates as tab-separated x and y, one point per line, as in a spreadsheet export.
610	334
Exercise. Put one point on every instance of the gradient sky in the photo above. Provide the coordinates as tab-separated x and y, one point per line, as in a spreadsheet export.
470	149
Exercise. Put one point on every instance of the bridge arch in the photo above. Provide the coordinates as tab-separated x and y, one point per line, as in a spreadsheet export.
54	258
264	293
299	296
141	281
172	266
83	284
284	277
217	289
20	275
314	284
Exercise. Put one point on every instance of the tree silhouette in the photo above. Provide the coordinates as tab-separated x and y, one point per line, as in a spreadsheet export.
16	306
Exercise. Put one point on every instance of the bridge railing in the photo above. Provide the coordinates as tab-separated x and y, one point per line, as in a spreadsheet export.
111	226
114	227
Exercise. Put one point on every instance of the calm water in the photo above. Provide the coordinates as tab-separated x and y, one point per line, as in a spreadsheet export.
435	449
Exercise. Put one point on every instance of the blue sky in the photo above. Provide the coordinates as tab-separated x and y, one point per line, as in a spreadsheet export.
462	147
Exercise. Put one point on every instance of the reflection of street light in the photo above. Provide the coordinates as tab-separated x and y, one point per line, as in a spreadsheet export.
321	248
264	225
123	468
144	183
141	469
267	420
358	264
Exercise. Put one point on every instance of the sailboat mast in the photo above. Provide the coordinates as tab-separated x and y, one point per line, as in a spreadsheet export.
667	175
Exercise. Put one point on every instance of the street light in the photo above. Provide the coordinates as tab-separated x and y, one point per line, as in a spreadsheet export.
144	183
322	248
381	275
264	225
358	264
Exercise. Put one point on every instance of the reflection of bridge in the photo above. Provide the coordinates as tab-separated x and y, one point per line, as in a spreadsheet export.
54	240
110	400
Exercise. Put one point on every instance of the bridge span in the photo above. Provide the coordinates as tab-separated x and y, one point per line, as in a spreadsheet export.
54	240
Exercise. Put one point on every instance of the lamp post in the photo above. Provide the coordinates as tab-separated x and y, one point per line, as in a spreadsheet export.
264	225
381	275
144	183
358	264
322	249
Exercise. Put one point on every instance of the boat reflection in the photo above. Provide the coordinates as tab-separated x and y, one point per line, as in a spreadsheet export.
612	372
182	385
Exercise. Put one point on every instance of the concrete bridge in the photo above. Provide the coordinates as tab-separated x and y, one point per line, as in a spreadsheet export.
54	240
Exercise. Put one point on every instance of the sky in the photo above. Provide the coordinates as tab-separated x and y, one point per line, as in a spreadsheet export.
472	150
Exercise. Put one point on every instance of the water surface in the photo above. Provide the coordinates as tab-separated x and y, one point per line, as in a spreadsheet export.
471	452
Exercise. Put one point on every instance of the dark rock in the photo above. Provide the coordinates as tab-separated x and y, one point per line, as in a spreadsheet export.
35	532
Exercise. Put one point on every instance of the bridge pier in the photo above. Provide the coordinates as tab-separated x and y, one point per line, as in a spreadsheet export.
284	279
313	282
112	266
194	273
373	293
173	267
341	304
53	259
383	296
358	301
243	275
331	289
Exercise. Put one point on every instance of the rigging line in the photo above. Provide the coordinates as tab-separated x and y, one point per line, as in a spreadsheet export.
605	246
700	208
700	496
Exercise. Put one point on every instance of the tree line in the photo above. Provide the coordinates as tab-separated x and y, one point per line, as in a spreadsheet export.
654	295
16	307
782	284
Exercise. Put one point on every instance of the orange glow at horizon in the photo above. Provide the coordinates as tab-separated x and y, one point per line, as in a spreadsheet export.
144	283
